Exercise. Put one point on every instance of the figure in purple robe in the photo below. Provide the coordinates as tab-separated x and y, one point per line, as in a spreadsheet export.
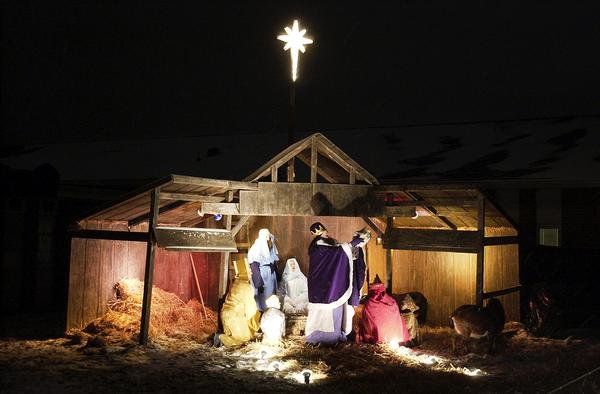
335	277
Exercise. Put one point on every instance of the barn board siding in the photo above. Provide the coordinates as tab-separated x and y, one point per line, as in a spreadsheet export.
501	271
376	261
76	278
96	265
91	283
446	279
106	285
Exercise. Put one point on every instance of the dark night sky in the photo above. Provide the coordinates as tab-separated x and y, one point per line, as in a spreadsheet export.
95	71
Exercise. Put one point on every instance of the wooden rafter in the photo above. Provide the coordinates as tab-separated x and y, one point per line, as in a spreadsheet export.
319	147
165	208
440	219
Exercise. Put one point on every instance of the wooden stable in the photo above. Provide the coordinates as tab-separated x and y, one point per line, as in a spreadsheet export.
450	243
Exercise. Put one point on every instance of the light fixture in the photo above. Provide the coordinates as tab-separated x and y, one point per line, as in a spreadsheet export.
218	216
294	41
416	215
306	374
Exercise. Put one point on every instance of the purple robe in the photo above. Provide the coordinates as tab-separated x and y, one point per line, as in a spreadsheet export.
328	274
334	281
360	268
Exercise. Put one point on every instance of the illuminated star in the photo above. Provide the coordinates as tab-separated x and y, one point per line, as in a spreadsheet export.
294	41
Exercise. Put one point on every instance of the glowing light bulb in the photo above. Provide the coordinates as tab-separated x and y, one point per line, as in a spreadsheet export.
294	41
218	216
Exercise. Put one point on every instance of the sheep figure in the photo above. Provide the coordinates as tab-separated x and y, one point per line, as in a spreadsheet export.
472	321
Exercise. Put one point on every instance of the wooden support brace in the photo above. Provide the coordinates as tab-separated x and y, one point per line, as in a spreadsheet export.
291	174
241	221
274	173
149	270
374	226
480	250
498	293
388	258
509	240
224	267
313	161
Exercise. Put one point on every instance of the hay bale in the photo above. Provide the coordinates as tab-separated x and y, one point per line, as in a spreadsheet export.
295	324
169	315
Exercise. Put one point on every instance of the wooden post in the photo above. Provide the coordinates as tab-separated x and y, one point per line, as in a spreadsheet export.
313	161
224	267
291	170
352	177
388	257
149	271
480	249
274	173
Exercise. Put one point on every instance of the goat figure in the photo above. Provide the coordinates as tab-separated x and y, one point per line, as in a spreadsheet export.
472	321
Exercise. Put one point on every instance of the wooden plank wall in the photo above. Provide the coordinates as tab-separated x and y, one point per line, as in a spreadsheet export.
446	279
501	271
96	265
376	261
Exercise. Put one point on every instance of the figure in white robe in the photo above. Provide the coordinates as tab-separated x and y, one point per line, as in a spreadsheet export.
262	257
272	322
294	288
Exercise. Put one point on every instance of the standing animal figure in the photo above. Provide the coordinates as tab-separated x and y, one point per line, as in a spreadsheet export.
409	310
472	321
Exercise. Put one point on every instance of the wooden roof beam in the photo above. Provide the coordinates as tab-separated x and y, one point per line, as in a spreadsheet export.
163	209
448	240
189	197
344	160
218	183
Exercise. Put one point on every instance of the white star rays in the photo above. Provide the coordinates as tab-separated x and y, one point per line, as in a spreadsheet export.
294	41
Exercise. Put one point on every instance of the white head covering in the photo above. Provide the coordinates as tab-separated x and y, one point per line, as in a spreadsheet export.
292	271
295	287
259	251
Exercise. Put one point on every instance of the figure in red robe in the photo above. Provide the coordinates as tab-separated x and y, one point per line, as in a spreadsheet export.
381	321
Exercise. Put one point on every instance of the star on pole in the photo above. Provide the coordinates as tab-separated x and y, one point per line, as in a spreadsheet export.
294	41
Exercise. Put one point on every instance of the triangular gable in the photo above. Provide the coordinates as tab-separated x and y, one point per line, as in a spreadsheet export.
317	152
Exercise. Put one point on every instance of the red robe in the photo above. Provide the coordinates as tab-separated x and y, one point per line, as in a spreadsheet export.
381	321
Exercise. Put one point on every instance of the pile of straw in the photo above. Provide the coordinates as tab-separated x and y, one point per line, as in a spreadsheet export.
169	316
